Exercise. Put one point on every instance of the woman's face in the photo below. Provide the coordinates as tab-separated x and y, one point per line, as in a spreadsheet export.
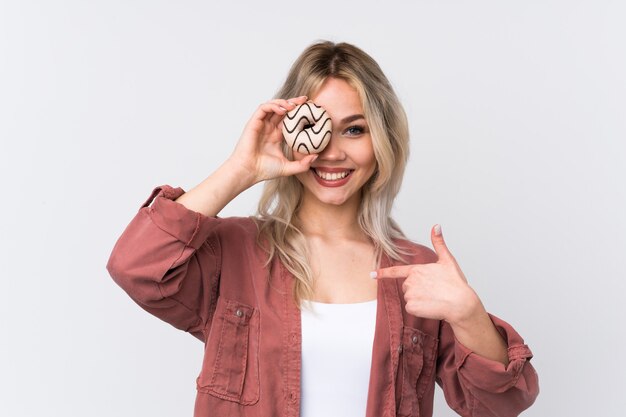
348	161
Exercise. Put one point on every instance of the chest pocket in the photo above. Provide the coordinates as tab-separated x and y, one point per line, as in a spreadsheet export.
417	362
230	369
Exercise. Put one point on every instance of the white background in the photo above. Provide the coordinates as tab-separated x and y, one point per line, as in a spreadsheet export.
517	114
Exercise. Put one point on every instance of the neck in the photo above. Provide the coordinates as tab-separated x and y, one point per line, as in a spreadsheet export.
330	221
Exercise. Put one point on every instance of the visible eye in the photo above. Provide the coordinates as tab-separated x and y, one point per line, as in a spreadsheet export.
355	130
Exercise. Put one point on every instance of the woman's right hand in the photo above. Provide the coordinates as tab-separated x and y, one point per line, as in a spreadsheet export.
259	152
258	156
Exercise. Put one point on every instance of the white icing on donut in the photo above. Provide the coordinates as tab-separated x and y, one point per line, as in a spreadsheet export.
307	128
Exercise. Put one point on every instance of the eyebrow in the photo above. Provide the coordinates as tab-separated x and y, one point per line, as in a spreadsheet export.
352	118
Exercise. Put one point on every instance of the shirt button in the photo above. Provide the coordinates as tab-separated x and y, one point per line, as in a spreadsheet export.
400	349
414	339
293	337
239	313
292	396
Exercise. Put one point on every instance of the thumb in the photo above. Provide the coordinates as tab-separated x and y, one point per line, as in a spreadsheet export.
439	244
296	167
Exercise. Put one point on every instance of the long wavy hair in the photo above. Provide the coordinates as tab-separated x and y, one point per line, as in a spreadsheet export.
385	116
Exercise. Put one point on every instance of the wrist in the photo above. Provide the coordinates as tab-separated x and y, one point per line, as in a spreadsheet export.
477	332
468	312
238	173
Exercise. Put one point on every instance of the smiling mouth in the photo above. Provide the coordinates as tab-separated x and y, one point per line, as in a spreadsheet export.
332	176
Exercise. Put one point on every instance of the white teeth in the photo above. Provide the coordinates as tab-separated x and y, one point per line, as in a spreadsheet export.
334	176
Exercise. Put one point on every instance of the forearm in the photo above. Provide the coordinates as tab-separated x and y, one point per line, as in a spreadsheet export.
217	190
478	333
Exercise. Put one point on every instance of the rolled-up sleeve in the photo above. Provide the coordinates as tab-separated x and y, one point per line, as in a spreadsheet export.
168	261
476	386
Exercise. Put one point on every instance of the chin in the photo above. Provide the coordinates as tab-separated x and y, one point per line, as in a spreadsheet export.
334	200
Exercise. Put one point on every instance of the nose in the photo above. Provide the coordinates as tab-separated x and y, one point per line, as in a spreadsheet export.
333	150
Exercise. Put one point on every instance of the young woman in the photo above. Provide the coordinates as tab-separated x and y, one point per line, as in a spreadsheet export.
318	306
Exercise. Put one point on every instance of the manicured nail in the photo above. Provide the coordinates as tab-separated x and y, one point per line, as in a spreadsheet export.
373	274
437	230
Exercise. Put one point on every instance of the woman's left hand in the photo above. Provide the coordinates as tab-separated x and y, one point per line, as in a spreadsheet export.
436	290
440	291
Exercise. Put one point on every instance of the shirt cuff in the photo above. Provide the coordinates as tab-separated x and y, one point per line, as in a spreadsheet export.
490	375
186	225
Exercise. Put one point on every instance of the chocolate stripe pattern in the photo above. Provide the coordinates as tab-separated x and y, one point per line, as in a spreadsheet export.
307	128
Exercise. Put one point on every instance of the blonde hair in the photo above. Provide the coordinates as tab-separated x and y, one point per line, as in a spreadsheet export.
281	198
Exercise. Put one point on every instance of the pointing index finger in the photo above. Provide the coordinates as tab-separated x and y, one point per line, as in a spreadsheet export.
401	271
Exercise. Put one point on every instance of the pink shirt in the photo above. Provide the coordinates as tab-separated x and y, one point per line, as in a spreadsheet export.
205	275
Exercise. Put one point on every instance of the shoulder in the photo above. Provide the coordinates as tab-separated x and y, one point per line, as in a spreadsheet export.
240	225
415	253
236	230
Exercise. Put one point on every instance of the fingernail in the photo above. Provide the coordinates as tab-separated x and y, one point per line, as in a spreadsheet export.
437	230
373	274
293	104
303	97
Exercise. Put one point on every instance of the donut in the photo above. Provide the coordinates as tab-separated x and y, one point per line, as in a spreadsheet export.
307	128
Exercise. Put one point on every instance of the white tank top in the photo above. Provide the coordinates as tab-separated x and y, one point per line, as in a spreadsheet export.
337	342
